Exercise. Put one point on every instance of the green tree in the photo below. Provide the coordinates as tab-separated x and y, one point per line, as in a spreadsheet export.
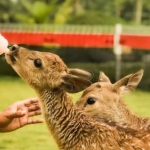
36	12
63	12
54	11
138	11
94	12
7	11
75	11
118	5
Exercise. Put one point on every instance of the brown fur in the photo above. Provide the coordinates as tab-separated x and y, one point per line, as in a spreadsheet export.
71	128
109	103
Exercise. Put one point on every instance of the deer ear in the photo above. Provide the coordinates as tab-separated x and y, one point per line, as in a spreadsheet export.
87	75
128	83
74	84
103	78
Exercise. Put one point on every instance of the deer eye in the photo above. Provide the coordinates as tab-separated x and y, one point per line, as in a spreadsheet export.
90	101
37	63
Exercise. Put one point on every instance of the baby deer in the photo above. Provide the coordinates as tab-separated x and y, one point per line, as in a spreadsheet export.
47	74
105	100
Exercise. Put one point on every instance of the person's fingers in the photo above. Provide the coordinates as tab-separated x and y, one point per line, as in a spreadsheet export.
34	107
34	113
29	101
34	121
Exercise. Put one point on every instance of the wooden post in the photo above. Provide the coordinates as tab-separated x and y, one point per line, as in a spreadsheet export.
117	50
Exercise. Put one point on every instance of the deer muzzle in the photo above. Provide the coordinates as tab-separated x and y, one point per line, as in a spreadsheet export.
12	54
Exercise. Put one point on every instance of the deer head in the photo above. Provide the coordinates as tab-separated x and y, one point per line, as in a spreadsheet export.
104	99
46	70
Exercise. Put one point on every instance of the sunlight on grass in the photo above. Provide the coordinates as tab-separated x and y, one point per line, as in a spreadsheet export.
37	137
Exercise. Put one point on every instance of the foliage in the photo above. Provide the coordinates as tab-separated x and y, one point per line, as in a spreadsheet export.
36	12
74	11
63	12
7	11
94	17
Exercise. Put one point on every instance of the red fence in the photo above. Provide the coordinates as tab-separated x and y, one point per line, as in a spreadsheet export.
76	40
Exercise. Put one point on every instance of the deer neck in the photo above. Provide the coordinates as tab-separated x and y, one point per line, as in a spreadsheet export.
129	118
60	116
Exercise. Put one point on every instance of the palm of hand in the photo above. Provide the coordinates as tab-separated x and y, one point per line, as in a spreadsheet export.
14	117
17	115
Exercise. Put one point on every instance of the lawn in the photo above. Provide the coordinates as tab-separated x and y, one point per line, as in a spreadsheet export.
37	137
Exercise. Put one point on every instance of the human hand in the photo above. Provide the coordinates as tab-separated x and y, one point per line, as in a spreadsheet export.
17	115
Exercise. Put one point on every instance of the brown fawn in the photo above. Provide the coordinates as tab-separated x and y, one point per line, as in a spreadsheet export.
105	100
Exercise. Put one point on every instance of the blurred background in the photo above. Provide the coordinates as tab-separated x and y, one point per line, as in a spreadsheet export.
98	35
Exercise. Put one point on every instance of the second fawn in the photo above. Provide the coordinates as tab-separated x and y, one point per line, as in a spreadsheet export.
105	100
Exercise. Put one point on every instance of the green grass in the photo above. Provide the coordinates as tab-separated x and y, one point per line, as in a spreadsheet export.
37	137
139	102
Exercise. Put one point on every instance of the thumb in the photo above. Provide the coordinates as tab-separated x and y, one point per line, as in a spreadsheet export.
18	113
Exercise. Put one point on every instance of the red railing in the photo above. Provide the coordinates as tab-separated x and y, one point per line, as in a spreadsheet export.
76	40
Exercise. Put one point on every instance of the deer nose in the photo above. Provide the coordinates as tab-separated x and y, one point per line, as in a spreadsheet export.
13	48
